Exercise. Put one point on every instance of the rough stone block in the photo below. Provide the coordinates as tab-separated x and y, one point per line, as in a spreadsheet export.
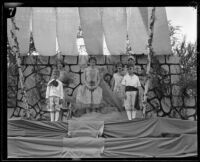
28	71
45	70
177	101
142	59
175	79
53	60
166	104
112	59
70	60
110	69
165	67
172	59
192	118
17	110
10	112
189	101
11	102
156	103
29	60
32	96
190	112
66	68
160	113
175	69
161	59
75	68
29	82
83	59
100	59
151	94
42	60
176	90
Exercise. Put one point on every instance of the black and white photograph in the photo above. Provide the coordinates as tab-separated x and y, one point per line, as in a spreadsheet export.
101	82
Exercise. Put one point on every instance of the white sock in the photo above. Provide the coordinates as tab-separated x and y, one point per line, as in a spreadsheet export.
56	115
52	116
128	114
133	114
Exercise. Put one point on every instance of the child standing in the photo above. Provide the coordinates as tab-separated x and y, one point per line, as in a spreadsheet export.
131	85
117	79
54	95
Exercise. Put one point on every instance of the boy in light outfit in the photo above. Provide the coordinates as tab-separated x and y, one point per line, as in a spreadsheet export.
54	95
131	85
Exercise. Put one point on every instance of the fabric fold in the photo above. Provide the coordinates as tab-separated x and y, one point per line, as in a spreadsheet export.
114	23
67	28
44	30
90	20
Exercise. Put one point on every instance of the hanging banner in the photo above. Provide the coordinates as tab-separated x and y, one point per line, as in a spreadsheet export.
114	22
137	20
68	22
44	30
161	37
90	20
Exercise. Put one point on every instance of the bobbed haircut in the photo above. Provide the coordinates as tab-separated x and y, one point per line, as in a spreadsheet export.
92	58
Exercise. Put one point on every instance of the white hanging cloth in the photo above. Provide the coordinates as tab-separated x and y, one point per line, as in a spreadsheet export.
68	22
90	20
137	25
161	38
114	22
44	30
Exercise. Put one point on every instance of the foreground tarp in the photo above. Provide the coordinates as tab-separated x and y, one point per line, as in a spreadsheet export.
67	28
35	147
182	146
44	30
155	137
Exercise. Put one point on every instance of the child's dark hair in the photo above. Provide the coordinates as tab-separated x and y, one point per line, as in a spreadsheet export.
130	65
92	58
107	74
53	83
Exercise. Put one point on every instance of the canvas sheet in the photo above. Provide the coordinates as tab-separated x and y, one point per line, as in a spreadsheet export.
114	23
35	147
153	127
182	146
137	20
85	128
90	21
44	30
161	38
22	19
68	22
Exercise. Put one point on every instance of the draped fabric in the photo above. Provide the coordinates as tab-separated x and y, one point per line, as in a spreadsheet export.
137	20
115	24
161	38
182	146
90	20
23	16
67	28
154	137
44	30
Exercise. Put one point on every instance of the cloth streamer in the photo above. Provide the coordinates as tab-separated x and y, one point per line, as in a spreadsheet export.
44	30
90	19
114	22
67	28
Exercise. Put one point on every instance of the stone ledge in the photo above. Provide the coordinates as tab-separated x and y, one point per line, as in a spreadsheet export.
172	59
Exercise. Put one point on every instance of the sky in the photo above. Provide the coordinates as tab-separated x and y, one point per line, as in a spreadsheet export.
186	17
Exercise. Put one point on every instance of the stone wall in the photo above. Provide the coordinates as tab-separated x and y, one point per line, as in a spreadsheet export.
37	71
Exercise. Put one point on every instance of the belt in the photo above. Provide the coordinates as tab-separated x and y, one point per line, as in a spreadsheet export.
130	88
